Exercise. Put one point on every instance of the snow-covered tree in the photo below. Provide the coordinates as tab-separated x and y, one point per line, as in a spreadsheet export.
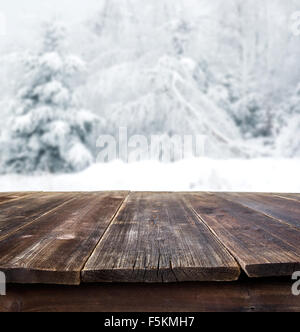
286	110
47	131
294	105
253	116
244	61
173	104
287	126
288	142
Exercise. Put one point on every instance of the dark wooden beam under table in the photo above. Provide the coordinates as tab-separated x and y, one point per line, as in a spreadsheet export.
256	295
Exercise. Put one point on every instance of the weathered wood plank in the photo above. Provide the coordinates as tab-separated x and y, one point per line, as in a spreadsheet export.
263	246
241	296
156	237
55	248
295	197
16	214
5	197
285	210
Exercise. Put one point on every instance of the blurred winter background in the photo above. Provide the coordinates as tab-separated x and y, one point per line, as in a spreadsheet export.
72	70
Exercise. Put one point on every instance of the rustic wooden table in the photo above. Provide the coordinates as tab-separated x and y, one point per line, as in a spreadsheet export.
139	251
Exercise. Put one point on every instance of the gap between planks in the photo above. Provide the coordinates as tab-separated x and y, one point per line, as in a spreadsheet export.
35	218
281	209
263	246
281	232
101	237
12	197
156	237
54	250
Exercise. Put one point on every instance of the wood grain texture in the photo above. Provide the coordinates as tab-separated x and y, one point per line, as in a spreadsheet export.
263	246
5	197
156	237
242	296
55	248
16	214
295	197
285	210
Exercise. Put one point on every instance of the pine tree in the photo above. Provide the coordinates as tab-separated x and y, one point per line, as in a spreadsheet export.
287	125
252	116
174	105
47	132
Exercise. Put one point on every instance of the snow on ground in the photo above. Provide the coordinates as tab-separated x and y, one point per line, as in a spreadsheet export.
260	175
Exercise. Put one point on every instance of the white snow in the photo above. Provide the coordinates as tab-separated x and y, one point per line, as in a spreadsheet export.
51	61
227	70
288	142
259	175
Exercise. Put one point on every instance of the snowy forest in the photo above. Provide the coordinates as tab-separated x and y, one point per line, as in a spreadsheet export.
228	70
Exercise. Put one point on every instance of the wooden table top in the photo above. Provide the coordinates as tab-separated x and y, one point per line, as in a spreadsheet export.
143	237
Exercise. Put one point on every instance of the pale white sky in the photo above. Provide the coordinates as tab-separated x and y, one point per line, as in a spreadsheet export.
73	10
23	17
